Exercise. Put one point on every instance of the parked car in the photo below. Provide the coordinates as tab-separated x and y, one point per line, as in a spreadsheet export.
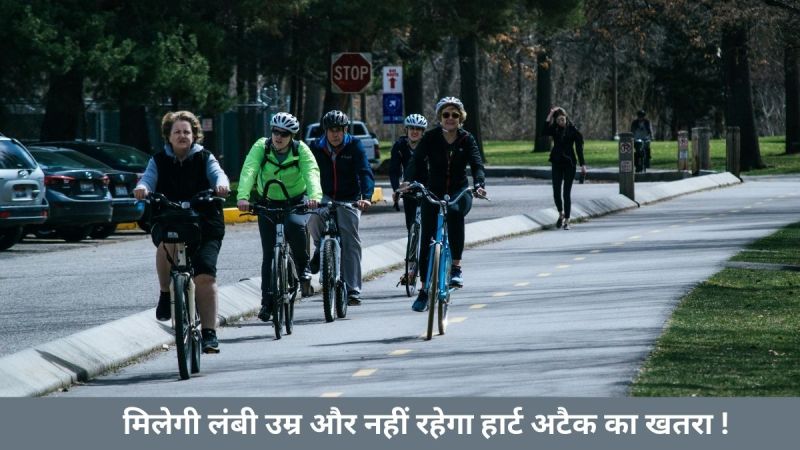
118	156
124	207
359	130
79	198
22	192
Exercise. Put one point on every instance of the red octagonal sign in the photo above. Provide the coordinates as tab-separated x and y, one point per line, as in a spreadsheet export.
351	73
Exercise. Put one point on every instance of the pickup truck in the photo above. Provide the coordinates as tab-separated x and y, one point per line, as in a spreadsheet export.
359	130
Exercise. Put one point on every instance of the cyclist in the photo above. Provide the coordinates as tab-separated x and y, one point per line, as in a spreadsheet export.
567	152
346	176
181	170
641	129
284	158
402	149
445	151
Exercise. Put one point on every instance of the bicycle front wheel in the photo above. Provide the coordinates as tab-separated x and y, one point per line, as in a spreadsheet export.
329	279
412	260
277	286
293	285
433	293
443	303
182	324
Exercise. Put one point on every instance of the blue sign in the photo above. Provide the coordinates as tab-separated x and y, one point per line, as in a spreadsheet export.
392	108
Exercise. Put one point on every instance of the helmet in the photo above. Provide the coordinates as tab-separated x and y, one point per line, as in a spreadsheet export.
448	101
416	120
335	118
286	121
640	113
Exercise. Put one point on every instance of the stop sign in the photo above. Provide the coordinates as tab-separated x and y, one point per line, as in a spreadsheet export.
351	73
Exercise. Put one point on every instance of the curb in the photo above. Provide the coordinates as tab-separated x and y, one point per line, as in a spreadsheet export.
596	174
81	356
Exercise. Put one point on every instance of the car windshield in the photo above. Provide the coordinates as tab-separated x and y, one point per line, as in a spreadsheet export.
126	156
12	156
359	130
55	161
316	132
85	161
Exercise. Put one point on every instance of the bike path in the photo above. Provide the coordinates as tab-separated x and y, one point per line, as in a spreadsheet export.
84	355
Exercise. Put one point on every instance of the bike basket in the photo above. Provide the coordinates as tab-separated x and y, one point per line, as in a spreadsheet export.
176	226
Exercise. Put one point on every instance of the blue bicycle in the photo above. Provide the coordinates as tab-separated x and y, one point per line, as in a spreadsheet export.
440	260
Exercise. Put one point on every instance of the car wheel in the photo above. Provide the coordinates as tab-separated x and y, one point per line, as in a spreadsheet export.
9	237
73	234
103	231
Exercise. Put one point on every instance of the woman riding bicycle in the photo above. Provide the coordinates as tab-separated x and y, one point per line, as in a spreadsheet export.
445	151
283	158
402	150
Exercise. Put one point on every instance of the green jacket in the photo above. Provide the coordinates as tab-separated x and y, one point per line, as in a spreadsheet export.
299	172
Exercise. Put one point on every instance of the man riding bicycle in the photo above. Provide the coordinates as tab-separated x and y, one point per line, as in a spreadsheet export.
346	176
180	171
283	158
642	131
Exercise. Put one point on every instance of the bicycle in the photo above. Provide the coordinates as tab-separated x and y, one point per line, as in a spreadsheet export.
409	277
334	289
284	280
440	260
179	224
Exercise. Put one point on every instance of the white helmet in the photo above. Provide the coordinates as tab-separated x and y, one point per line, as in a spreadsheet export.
449	101
286	121
416	121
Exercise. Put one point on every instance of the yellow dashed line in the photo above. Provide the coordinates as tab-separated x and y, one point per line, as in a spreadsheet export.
399	352
634	237
562	266
595	251
617	244
544	274
734	211
747	207
478	306
705	218
674	226
500	294
579	258
456	319
365	372
655	231
523	284
331	394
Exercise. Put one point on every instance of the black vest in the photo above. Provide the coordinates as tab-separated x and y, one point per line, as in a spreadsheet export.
181	180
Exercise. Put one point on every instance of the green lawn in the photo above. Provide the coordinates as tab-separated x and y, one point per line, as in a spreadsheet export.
664	154
737	334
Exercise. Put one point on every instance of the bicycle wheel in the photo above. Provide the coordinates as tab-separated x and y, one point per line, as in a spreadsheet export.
341	300
197	336
412	259
277	292
444	279
183	338
433	292
328	279
288	307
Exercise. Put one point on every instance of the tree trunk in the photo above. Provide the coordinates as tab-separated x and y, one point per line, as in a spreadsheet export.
738	94
544	97
792	90
312	111
133	126
449	55
614	93
64	107
413	87
470	95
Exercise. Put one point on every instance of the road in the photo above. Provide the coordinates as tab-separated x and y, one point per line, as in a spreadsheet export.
555	313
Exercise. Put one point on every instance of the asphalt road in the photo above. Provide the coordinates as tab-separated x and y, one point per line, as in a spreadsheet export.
51	289
555	313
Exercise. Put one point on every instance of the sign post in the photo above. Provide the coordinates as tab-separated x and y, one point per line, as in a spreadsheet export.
393	95
626	174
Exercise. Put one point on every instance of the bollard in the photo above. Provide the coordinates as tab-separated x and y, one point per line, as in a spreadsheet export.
683	150
733	151
701	155
626	172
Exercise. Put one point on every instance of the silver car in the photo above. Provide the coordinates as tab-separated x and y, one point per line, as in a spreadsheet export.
359	130
21	192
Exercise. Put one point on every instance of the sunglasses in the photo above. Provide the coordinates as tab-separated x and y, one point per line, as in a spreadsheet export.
447	115
281	133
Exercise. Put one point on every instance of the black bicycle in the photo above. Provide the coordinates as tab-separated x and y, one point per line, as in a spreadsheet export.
334	289
177	226
409	277
284	280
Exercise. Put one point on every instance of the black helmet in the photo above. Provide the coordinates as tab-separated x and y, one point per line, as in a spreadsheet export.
335	118
640	113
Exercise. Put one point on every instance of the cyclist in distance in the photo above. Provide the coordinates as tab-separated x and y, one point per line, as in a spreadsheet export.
346	176
641	129
180	171
289	160
445	151
402	149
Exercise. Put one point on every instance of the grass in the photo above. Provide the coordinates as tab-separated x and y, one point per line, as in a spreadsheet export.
664	154
737	334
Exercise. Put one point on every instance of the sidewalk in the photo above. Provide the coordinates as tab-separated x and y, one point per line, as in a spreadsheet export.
81	356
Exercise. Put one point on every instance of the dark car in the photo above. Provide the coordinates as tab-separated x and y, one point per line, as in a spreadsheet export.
121	184
22	198
79	198
118	156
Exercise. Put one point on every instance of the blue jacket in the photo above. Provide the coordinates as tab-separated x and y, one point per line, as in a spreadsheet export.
345	173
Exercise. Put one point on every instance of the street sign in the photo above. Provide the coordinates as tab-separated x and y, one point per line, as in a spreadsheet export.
392	108
393	80
351	73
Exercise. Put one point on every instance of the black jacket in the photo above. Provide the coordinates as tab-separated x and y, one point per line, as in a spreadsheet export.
446	164
401	158
567	142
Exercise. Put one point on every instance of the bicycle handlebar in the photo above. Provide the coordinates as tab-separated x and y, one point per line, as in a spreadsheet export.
434	200
204	196
262	210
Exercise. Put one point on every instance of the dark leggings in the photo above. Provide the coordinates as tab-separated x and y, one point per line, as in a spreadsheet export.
295	233
455	231
563	173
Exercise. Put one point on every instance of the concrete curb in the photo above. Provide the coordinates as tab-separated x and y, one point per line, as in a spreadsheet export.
81	356
595	173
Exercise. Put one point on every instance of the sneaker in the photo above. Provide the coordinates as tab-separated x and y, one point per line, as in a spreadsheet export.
456	279
421	303
560	221
313	265
566	223
265	313
353	298
163	310
210	343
